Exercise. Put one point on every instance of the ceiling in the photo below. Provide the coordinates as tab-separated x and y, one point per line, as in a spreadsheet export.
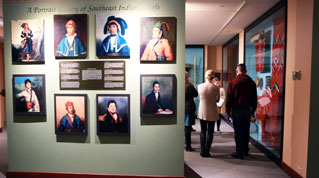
214	22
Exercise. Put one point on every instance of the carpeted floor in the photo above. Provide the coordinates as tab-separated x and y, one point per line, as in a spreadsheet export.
3	153
222	165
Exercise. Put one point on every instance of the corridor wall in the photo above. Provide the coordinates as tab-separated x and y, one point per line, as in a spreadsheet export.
313	144
297	92
155	145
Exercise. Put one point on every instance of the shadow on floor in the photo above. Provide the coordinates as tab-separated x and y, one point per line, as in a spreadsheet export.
190	173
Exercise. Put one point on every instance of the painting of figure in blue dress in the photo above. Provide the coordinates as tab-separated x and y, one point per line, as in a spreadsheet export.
111	36
27	41
70	36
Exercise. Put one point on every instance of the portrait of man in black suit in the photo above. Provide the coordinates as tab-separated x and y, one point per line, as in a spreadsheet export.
113	115
157	95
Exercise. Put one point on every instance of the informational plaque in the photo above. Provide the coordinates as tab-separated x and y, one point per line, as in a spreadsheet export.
92	75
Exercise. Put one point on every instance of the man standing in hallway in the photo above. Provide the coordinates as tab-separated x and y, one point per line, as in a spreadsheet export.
241	105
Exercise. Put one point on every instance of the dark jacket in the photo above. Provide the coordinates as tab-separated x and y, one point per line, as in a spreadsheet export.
109	125
190	107
190	94
151	106
241	94
65	125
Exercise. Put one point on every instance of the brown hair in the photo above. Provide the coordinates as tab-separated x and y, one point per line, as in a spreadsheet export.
186	77
70	22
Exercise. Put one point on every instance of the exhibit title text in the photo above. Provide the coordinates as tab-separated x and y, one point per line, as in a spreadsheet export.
85	8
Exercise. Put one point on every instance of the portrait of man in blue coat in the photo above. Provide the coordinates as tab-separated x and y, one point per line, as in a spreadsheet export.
71	44
71	122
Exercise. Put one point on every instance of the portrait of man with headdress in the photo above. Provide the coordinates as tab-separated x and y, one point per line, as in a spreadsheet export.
70	122
158	39
114	43
70	114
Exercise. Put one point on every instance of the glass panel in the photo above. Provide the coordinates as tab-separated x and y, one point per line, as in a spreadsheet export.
230	61
194	64
265	60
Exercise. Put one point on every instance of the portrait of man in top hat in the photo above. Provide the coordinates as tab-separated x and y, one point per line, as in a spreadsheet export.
110	39
158	39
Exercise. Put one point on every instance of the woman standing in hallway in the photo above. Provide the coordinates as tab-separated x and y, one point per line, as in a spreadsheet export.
207	112
190	109
220	104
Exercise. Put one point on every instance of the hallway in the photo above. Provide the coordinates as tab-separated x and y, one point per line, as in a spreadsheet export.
222	165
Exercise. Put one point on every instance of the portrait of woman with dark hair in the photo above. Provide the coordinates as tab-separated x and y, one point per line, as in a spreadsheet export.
114	43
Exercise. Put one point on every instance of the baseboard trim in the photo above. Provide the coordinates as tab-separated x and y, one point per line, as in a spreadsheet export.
23	174
292	173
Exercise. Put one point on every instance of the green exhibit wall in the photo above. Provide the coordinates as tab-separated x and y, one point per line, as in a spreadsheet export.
155	145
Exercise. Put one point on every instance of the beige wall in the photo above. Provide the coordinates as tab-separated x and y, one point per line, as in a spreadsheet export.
214	58
297	94
241	48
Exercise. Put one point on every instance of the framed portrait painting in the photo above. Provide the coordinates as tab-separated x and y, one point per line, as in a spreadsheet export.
112	36
158	95
70	36
29	94
27	41
113	114
70	114
158	40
